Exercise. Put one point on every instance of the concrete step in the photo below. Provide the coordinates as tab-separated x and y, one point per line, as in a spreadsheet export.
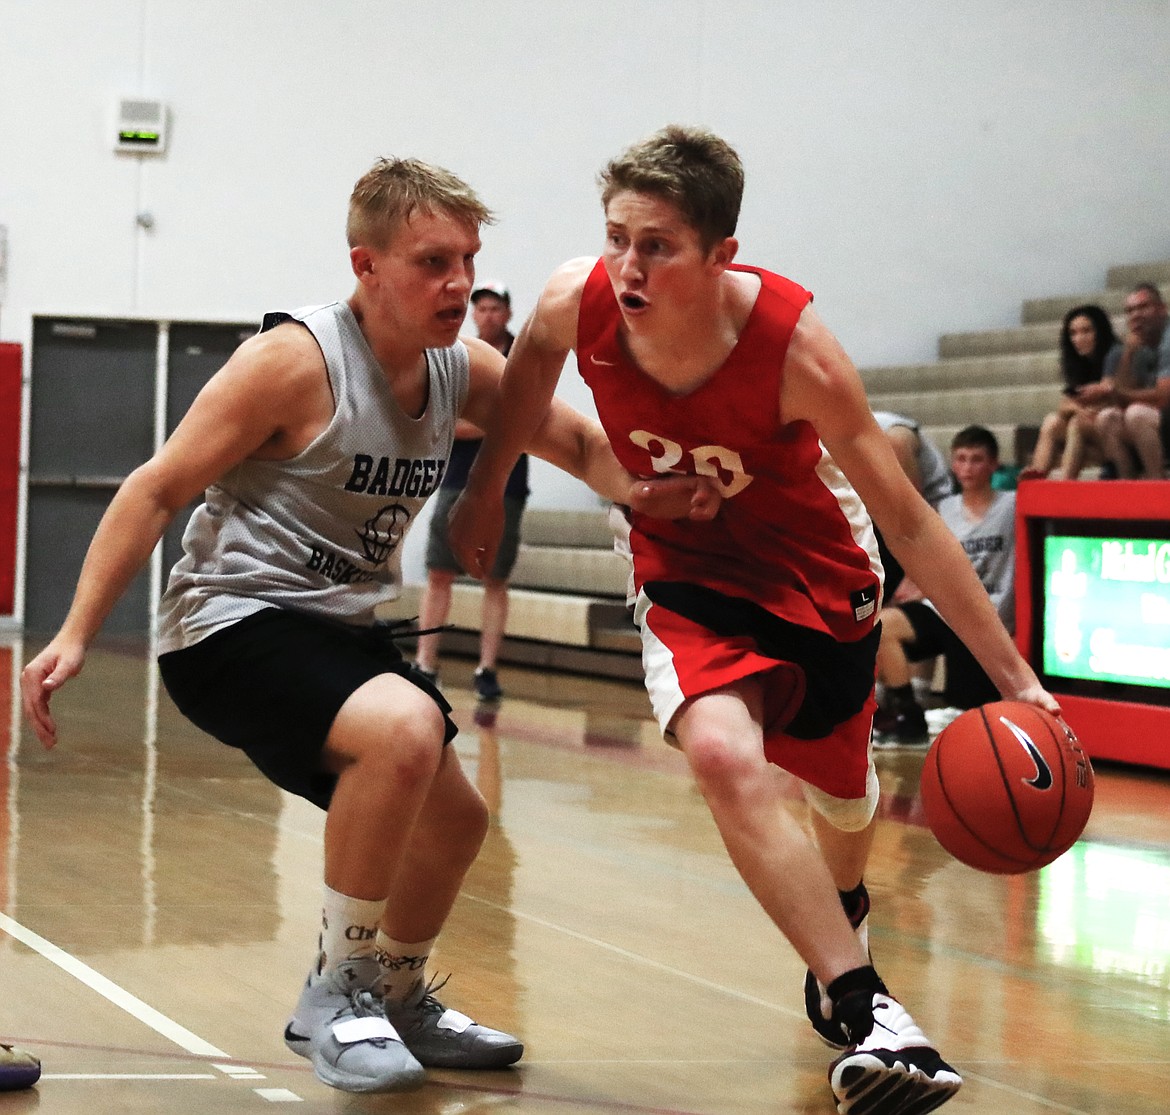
1044	337
1021	369
566	618
548	527
1125	276
1038	310
1003	406
575	569
1000	342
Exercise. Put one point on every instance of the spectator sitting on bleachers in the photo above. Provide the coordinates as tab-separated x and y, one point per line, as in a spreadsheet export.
983	520
1134	401
923	462
1089	352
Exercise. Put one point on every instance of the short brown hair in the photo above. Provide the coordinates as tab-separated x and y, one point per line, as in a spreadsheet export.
976	437
690	167
393	190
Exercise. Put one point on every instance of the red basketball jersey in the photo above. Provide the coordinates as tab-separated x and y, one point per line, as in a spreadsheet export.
792	534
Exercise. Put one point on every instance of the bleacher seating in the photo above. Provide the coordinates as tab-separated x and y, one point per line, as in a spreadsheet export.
1005	379
567	604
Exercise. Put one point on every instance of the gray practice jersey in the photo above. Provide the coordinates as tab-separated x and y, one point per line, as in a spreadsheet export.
321	532
991	546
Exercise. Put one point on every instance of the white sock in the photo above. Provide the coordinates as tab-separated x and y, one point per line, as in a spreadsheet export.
403	965
349	928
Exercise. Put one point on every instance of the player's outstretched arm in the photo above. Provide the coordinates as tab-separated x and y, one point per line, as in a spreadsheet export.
511	411
822	386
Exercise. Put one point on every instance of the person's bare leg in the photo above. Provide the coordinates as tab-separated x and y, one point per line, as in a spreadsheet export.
845	853
721	737
386	747
1072	460
432	612
443	844
1143	429
1052	432
893	667
495	618
1110	430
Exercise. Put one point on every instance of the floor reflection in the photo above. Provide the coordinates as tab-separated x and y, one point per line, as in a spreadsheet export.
137	798
602	922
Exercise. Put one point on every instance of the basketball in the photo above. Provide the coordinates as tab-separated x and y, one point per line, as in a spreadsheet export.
1007	788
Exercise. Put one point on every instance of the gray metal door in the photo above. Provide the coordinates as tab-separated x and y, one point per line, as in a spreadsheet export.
196	351
91	423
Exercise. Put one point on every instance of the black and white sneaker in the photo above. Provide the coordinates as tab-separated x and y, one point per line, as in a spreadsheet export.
893	1069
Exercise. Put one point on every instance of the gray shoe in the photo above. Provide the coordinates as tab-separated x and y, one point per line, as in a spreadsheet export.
341	1027
444	1038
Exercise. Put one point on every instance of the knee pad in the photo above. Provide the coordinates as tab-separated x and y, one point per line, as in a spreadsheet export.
846	814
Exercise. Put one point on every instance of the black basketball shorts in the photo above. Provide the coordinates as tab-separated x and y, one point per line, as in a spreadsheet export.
273	683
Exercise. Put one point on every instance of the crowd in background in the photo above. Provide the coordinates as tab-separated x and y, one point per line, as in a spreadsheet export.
1115	394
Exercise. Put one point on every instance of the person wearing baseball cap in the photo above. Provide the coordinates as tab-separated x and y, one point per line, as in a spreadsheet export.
493	287
491	310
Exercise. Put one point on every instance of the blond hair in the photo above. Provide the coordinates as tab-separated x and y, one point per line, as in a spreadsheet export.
393	190
692	168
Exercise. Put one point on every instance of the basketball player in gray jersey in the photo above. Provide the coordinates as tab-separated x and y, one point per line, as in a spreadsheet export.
315	445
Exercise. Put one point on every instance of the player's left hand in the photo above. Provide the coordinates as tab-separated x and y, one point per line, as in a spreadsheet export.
676	497
1037	695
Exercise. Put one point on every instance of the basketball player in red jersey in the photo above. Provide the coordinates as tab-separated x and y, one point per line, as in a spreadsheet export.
758	628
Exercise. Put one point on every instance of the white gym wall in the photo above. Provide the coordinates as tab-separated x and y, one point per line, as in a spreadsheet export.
921	166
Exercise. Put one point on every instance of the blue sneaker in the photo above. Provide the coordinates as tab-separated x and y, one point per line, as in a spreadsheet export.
18	1068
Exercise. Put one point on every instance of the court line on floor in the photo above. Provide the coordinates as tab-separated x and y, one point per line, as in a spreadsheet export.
711	985
143	1012
131	1004
154	1076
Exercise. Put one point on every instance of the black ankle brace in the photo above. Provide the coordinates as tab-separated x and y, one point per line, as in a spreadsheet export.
852	995
901	698
855	903
858	979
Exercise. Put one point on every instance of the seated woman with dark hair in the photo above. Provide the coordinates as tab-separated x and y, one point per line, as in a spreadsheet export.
1089	351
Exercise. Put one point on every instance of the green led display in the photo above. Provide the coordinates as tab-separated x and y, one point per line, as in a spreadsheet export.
1107	609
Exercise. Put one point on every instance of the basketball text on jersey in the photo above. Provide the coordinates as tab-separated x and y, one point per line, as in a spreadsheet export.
399	477
335	568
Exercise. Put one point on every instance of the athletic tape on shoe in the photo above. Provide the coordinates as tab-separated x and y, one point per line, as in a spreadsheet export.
351	1030
453	1020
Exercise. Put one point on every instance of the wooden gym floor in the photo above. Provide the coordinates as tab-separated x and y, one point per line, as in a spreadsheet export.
159	903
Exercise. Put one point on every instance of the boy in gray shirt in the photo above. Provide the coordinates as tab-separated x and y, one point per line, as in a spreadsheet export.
982	518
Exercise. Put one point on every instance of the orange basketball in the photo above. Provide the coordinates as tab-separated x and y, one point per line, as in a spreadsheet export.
1006	788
